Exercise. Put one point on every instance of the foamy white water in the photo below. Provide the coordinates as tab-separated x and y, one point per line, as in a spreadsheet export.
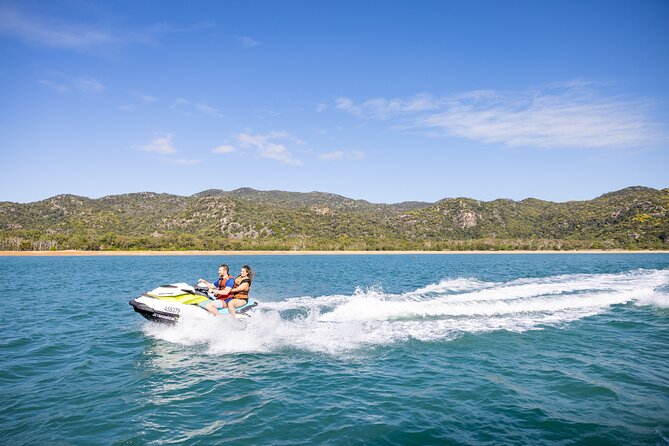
441	311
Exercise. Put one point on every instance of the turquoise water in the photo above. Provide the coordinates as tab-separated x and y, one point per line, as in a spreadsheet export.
397	349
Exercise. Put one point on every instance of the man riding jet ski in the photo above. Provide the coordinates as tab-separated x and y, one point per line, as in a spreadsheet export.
169	303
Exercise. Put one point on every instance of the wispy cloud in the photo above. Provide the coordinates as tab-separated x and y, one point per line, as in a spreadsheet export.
180	103
208	109
188	107
166	28
89	85
336	155
224	149
572	114
380	108
55	86
265	113
271	145
331	156
140	100
56	33
50	33
247	41
162	145
66	84
186	162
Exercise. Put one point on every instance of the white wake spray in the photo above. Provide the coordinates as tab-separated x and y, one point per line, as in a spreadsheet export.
442	311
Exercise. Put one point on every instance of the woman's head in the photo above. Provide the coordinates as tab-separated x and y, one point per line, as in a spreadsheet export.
247	271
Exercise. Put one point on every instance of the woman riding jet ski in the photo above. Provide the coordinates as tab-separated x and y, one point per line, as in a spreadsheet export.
169	303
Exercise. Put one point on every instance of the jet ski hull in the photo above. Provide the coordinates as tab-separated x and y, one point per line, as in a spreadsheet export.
170	312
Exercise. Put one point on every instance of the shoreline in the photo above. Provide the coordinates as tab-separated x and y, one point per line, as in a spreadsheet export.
76	253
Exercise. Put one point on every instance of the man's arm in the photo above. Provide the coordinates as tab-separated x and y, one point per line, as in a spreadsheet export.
228	287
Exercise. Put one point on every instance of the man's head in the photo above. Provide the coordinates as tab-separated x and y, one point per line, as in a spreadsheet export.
223	270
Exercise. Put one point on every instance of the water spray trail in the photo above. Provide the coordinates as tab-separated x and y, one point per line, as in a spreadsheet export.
441	311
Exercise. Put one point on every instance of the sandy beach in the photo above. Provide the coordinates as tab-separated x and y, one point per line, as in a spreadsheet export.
258	253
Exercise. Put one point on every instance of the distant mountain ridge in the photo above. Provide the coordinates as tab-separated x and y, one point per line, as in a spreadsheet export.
298	199
632	218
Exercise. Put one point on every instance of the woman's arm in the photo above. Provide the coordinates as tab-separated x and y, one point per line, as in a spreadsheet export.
242	287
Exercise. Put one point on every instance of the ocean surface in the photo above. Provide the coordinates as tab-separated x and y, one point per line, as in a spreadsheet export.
343	349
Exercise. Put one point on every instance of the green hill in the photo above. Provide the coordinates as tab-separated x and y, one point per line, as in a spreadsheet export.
248	219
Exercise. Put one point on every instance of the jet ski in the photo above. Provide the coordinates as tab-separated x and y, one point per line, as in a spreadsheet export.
169	303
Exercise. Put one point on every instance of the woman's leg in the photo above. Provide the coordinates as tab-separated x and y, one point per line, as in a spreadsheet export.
235	303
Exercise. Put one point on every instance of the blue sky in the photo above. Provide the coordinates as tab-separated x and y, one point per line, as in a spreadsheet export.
382	101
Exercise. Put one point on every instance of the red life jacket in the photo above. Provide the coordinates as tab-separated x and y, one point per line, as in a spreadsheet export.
221	286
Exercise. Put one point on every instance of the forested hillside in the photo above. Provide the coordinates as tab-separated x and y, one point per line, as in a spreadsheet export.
247	219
